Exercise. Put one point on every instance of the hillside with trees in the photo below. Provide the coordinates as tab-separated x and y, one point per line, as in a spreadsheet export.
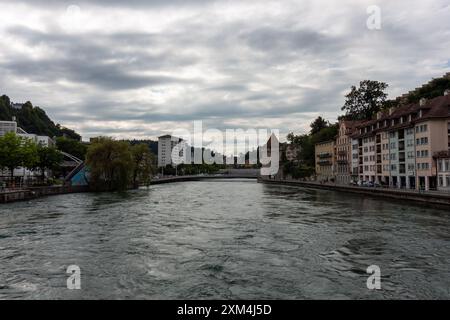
33	120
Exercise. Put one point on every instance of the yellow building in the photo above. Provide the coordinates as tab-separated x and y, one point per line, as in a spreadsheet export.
325	160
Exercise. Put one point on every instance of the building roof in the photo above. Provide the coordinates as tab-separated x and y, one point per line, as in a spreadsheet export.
438	107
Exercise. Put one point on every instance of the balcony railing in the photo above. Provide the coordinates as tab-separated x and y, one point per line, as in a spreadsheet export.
441	154
324	155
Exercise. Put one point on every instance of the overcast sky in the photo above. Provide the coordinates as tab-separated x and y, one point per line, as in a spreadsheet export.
141	68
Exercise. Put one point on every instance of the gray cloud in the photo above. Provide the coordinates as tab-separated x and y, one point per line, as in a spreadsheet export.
219	61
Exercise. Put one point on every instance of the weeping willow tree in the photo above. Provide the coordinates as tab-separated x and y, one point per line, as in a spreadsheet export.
110	164
143	164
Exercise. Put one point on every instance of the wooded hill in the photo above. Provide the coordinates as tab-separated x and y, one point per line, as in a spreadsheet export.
33	120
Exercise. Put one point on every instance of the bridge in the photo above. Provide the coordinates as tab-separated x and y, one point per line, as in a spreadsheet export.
162	180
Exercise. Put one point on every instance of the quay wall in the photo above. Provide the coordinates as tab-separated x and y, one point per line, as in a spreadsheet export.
428	197
37	192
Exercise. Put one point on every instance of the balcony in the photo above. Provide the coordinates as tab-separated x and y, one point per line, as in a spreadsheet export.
342	161
442	155
324	163
325	155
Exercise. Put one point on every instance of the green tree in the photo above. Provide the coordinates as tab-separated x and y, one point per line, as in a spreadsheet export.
49	158
143	163
361	103
110	164
17	152
72	146
318	124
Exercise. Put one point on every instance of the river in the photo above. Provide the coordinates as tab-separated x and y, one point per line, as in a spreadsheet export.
228	239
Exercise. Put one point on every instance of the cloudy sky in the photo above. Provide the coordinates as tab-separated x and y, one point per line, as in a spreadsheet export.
140	68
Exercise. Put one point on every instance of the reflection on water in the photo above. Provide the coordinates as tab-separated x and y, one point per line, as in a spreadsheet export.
222	239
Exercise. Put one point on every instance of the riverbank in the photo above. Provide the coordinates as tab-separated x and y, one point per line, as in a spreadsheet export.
37	192
428	197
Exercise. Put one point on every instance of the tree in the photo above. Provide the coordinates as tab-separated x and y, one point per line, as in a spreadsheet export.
318	124
361	103
71	146
110	164
17	152
49	158
143	163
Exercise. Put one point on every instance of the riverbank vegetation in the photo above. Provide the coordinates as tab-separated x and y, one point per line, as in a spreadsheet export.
18	152
116	165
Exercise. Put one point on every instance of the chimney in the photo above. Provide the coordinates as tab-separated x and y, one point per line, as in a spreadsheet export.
391	110
422	102
446	92
14	118
379	115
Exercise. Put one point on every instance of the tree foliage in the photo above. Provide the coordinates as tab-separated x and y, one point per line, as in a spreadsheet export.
116	166
17	152
48	158
33	120
143	164
318	124
72	146
363	102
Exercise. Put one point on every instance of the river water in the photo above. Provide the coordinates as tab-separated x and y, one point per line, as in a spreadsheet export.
230	239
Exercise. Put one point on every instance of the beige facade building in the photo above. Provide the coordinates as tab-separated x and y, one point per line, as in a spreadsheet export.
325	160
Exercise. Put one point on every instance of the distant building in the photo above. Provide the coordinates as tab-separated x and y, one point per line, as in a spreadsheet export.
7	126
325	160
16	105
41	140
166	145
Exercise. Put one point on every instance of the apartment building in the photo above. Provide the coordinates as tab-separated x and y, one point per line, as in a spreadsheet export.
443	169
344	152
398	148
166	145
325	160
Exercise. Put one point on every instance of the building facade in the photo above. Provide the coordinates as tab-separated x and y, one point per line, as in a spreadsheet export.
443	167
397	149
344	152
168	144
325	161
7	126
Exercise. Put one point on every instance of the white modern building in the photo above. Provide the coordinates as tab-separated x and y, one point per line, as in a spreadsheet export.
166	145
7	126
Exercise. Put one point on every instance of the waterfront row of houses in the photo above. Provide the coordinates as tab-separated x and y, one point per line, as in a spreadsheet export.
405	147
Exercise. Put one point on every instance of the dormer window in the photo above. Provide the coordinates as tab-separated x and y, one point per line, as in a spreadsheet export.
420	113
